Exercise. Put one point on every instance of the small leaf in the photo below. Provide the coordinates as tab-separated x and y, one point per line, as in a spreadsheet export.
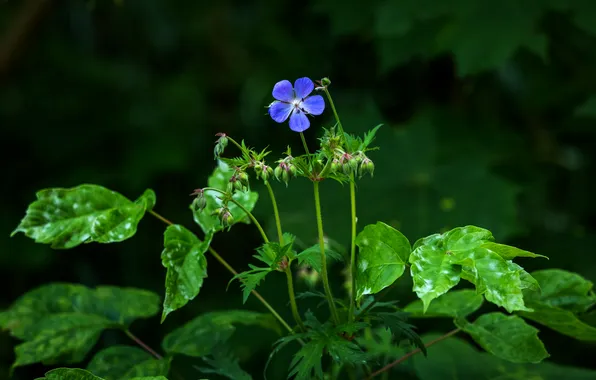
125	362
249	280
65	337
312	257
65	218
199	337
396	322
69	374
369	137
222	362
382	258
507	337
508	252
457	303
219	179
184	258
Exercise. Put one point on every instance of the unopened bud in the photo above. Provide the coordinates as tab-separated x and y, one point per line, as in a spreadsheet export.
200	202
278	172
243	178
335	165
293	169
220	144
226	218
267	172
283	264
367	166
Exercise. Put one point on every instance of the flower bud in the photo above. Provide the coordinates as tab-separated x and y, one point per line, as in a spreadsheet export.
259	169
335	165
220	144
367	166
200	202
285	176
225	216
283	264
278	171
267	172
293	169
325	81
243	178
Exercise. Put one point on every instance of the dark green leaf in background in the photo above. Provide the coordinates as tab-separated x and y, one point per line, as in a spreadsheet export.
69	374
456	304
184	258
508	337
125	362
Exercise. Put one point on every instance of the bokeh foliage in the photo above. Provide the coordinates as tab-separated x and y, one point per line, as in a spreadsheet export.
489	111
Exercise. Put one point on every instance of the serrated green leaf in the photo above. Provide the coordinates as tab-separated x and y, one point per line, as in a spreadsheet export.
65	218
249	280
311	256
457	303
382	258
69	374
199	337
219	179
396	322
508	252
454	358
433	270
222	362
117	305
125	362
184	258
64	337
369	138
562	289
508	337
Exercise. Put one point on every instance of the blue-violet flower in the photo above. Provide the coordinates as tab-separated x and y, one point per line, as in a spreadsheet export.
294	102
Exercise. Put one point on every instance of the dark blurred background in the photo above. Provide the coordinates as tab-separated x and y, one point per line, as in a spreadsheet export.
488	110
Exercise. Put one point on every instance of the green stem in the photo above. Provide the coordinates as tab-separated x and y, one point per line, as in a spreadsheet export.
341	129
324	274
293	303
353	266
235	143
223	262
304	143
250	215
280	234
288	270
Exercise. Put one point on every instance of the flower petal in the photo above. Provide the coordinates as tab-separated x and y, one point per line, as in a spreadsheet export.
280	111
299	122
283	91
314	105
303	87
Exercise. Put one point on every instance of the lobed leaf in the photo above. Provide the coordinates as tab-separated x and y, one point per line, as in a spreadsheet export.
508	337
382	258
66	218
311	256
223	363
249	280
125	362
184	258
457	304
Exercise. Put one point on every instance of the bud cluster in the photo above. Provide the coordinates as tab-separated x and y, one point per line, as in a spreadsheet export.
348	163
238	181
285	170
200	202
220	144
224	215
263	171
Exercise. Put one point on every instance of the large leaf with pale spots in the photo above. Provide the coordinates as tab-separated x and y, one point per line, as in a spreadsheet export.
508	337
382	258
564	296
210	223
65	218
69	374
125	362
119	306
184	257
433	269
439	261
64	337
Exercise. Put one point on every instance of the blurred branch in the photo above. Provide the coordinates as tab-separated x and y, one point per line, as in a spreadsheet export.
15	37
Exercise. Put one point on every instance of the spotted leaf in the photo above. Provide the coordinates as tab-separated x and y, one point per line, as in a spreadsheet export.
382	258
184	258
125	362
66	218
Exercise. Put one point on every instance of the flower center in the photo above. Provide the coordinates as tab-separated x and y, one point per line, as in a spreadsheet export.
296	103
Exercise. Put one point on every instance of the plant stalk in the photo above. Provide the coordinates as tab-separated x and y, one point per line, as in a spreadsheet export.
353	266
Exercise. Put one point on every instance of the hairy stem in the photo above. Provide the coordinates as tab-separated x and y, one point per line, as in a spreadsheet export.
304	143
280	234
353	267
341	129
233	271
234	142
324	274
412	353
142	344
250	215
